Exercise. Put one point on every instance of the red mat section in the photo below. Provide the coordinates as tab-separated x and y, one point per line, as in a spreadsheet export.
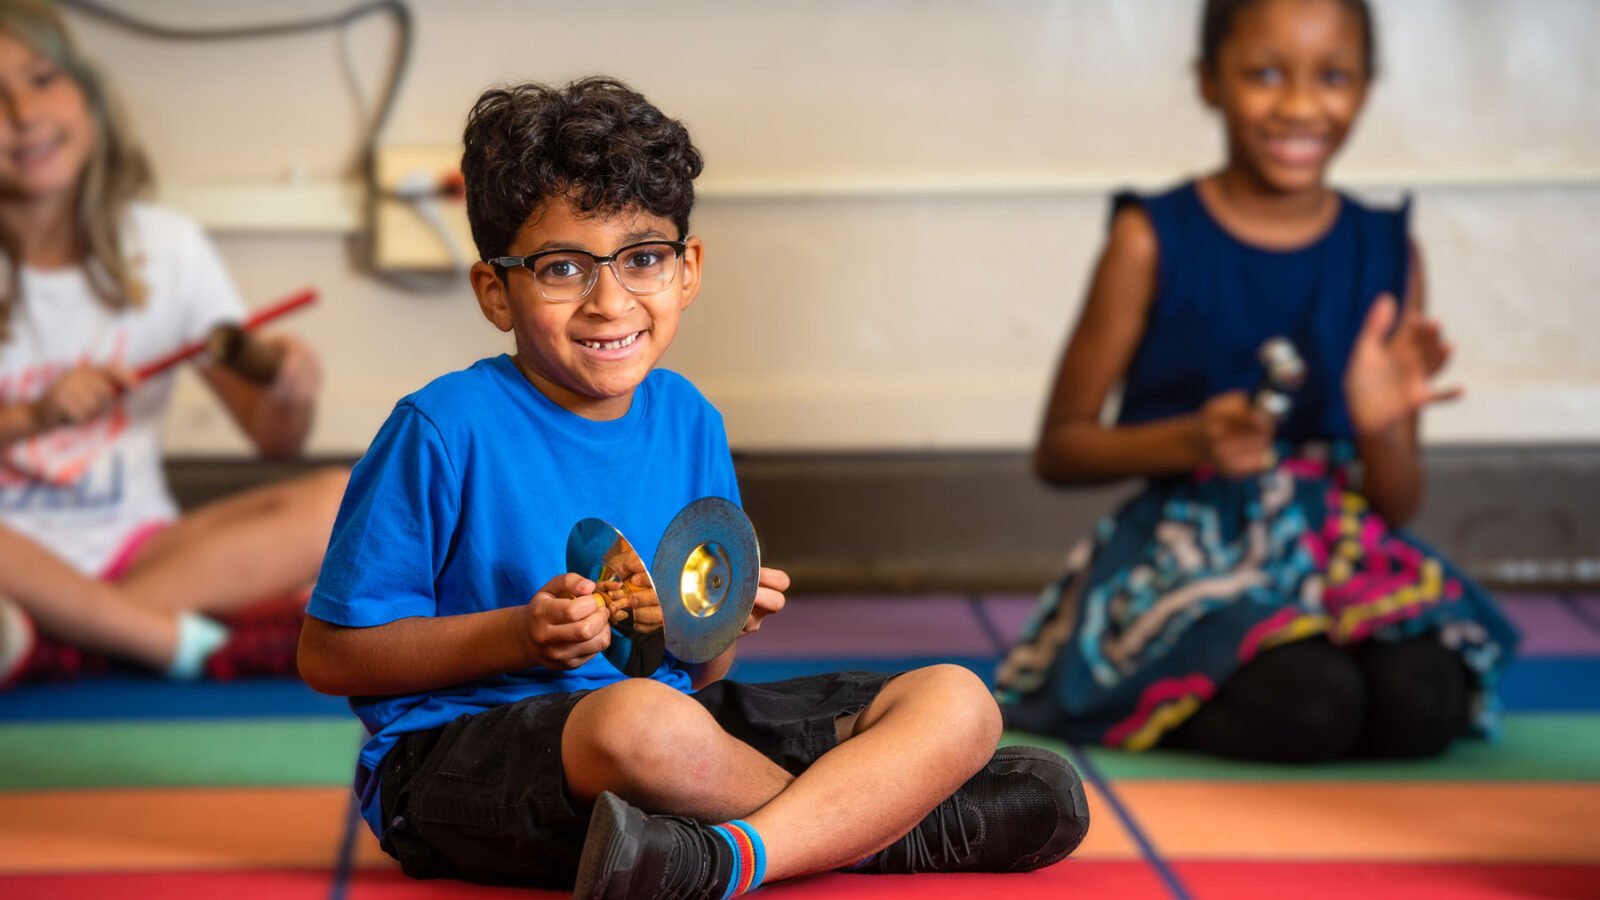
280	884
1124	880
1385	881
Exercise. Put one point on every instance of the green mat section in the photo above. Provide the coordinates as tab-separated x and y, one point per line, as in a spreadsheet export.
321	752
1536	747
255	753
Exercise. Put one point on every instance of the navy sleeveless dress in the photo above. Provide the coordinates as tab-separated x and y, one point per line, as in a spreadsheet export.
1197	574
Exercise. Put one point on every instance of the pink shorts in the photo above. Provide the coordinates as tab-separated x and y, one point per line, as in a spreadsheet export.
122	560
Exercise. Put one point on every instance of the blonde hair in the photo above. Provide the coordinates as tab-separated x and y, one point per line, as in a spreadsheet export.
116	174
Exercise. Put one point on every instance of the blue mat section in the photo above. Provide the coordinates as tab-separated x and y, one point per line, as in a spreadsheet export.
134	697
1543	684
1552	684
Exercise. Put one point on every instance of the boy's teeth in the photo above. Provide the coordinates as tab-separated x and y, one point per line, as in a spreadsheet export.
611	345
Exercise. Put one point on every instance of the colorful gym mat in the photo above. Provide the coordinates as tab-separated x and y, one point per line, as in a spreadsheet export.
132	787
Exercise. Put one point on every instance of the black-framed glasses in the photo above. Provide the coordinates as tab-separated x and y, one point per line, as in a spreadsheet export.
566	276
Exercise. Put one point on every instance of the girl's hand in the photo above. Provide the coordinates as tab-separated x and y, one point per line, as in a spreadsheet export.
299	371
1235	437
1390	376
567	624
771	584
85	393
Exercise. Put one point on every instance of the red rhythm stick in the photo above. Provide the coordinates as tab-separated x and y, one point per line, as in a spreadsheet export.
254	320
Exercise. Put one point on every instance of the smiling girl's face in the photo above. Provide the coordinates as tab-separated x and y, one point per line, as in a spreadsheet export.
1289	79
46	129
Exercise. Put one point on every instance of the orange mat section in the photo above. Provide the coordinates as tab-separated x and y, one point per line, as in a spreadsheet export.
133	830
54	831
1477	822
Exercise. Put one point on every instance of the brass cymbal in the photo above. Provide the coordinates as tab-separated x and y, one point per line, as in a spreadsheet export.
600	553
706	569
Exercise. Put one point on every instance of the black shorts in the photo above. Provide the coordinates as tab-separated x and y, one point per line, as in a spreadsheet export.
484	798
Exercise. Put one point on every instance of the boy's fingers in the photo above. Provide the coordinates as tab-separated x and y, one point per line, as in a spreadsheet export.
770	601
777	579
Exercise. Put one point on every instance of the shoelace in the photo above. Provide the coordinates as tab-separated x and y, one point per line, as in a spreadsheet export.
690	862
920	856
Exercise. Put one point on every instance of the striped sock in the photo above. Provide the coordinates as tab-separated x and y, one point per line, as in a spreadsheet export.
749	857
861	863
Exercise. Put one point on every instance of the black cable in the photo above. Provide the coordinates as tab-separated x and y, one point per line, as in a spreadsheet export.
368	161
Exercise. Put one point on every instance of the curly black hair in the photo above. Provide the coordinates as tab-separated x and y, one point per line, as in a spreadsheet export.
597	142
1216	22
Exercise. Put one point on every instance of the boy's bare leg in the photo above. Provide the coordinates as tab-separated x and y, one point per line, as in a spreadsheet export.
927	732
658	749
73	607
924	735
225	555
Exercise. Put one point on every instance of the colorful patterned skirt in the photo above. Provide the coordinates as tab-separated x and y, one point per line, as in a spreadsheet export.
1193	577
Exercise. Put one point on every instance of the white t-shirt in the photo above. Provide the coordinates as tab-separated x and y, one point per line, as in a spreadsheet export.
82	490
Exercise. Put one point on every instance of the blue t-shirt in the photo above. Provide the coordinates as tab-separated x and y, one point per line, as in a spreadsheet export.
463	504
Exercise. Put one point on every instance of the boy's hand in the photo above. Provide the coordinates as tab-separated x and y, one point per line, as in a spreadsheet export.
769	597
1235	437
82	394
567	623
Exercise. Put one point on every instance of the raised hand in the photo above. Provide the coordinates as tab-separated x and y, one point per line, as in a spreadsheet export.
1392	366
567	624
1235	437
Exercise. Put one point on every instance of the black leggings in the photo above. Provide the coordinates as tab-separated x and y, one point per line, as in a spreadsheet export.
1310	701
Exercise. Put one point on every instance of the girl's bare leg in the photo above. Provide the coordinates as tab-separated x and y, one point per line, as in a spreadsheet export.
257	544
73	607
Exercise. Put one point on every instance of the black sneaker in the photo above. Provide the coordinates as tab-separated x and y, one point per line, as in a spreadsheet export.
1025	810
628	854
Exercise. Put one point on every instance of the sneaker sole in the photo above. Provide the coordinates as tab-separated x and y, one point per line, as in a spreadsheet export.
1063	779
606	847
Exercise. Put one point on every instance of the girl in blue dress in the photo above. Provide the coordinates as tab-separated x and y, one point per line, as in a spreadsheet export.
1257	600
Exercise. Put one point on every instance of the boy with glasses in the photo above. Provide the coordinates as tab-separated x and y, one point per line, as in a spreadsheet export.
505	747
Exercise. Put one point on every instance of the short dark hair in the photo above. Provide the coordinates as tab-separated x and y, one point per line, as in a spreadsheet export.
596	142
1216	22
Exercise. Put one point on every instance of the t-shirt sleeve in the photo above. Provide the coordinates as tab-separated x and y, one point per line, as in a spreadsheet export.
394	528
207	290
721	476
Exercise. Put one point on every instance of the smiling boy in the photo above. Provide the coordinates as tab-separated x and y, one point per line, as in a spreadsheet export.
505	747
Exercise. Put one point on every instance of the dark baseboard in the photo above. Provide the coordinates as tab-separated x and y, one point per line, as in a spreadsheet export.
1518	517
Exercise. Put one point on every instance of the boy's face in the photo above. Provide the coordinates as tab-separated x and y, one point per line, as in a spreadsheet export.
588	355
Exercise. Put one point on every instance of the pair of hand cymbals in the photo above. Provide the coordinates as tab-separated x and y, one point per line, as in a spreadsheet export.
693	599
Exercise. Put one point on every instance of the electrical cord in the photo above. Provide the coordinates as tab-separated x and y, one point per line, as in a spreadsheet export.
366	165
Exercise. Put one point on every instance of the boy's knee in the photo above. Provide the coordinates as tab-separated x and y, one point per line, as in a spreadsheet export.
638	724
966	704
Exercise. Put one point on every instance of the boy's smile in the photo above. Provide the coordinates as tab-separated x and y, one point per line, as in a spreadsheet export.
588	355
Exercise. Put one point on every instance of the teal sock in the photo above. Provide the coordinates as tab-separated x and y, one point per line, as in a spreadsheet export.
749	857
198	638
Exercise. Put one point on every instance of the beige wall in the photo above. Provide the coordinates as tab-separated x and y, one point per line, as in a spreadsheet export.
902	199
